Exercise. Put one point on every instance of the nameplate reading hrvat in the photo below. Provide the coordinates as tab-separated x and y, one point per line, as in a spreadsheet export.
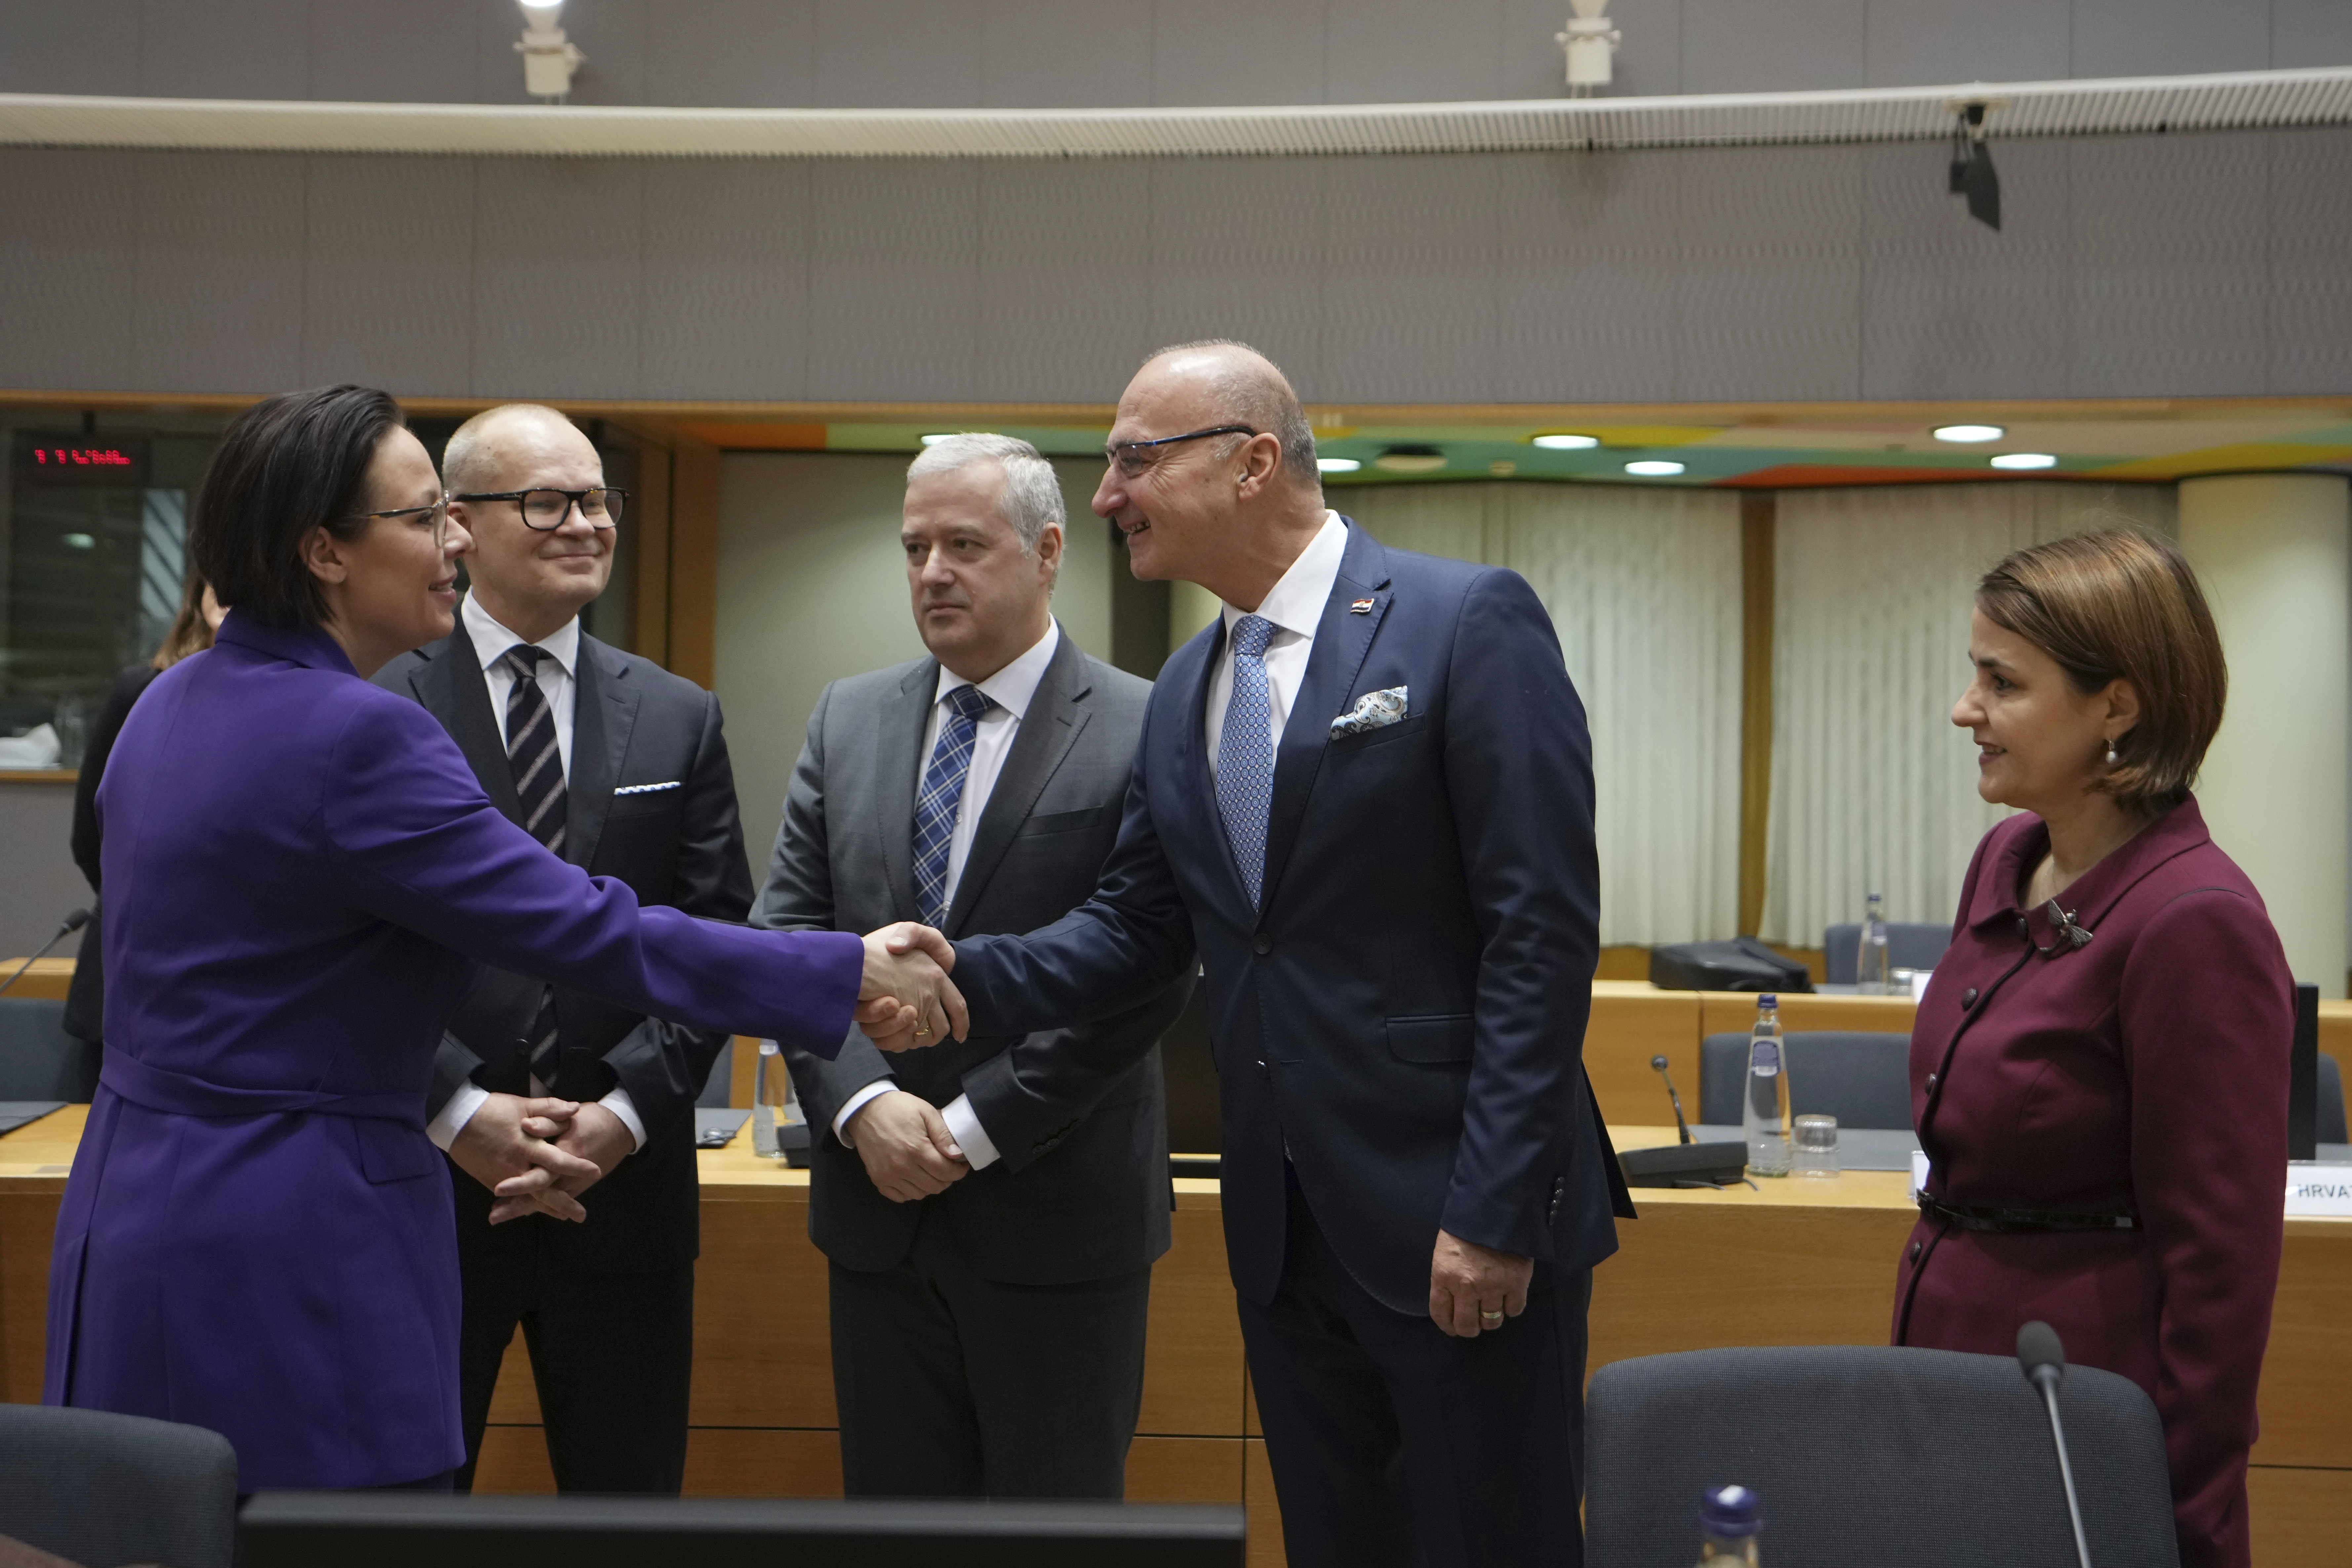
2324	1191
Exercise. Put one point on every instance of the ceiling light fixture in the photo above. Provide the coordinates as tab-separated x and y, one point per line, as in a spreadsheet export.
1561	441
549	57
1411	460
1970	432
1654	469
1337	465
2025	460
935	440
1971	173
1591	41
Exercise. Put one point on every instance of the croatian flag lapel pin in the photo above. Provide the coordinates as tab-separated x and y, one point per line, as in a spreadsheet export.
1361	608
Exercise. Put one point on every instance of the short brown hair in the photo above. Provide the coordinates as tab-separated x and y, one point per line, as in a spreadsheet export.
285	466
2116	602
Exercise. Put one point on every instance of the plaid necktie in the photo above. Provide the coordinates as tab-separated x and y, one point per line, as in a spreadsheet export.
537	766
936	807
1245	753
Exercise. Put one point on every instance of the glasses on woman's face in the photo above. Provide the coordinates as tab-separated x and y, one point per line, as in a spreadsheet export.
548	510
435	517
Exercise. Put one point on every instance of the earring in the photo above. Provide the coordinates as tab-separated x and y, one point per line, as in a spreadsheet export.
2111	753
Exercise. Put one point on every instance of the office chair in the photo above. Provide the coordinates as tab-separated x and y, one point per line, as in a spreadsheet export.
1865	1454
1861	1078
39	1060
105	1490
1908	946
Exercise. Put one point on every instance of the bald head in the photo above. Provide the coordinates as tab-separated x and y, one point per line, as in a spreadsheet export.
1242	386
486	450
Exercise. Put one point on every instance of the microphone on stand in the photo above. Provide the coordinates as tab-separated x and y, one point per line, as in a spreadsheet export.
1659	1064
2044	1357
72	923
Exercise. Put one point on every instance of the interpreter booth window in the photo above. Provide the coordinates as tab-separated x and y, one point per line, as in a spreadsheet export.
94	554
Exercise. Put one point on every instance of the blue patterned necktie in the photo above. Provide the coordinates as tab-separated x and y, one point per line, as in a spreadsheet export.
935	807
1245	753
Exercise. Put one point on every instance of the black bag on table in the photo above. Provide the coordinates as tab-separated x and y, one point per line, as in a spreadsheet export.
1742	963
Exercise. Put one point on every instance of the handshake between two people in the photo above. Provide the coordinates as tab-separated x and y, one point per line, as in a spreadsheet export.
538	1155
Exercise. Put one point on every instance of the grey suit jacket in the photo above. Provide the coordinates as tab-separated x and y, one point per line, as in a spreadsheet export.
1081	1191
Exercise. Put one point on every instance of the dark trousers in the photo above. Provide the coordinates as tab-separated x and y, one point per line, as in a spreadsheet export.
1394	1444
612	1355
953	1386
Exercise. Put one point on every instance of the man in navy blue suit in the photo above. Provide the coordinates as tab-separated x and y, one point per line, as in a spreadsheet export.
1364	796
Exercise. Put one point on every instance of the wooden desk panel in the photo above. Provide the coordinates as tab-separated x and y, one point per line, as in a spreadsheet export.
1632	1022
45	980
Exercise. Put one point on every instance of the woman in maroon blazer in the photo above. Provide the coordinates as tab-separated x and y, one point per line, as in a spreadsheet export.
2099	1071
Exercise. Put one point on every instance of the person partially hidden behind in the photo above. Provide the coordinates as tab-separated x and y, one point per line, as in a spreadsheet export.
1365	792
2099	1068
621	768
991	1209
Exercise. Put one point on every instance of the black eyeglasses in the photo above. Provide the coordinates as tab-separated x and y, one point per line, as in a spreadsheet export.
547	510
1132	458
437	514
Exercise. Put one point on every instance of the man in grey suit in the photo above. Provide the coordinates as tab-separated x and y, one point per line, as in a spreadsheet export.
990	1208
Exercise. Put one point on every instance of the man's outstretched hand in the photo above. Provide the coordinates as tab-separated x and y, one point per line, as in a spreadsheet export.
906	1000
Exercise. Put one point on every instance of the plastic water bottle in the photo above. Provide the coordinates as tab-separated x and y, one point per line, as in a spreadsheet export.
1764	1110
1730	1519
1872	969
771	1087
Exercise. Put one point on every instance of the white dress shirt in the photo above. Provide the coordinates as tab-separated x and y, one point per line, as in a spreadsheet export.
491	641
1295	605
1010	690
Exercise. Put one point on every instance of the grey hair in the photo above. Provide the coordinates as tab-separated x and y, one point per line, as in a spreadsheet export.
1264	403
1033	495
465	462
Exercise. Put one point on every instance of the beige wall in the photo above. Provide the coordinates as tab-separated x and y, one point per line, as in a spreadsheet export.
811	588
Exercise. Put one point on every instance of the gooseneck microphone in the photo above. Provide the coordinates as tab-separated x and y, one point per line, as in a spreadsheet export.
72	923
2044	1357
1659	1064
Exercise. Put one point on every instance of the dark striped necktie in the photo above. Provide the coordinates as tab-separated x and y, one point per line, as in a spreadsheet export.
537	764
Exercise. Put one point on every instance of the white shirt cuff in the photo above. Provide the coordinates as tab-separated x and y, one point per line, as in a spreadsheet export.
963	1126
444	1128
619	1103
857	1102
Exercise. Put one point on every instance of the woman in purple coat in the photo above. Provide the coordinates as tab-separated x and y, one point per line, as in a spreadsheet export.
300	871
2099	1071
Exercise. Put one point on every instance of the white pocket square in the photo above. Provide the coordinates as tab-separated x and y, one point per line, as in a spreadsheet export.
1372	711
649	789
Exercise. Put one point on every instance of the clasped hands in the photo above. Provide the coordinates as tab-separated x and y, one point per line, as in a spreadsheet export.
538	1155
905	1000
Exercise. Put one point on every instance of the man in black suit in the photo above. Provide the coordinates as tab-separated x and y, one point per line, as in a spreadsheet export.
991	1209
620	767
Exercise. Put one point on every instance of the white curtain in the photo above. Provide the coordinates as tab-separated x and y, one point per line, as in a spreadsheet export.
1873	789
1643	587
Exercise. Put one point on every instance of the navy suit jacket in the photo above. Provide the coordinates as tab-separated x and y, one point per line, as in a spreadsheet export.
1404	1012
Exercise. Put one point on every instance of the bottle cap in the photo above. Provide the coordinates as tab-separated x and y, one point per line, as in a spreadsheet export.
1769	999
1730	1511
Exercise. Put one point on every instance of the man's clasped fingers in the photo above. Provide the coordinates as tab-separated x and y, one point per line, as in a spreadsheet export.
1475	1290
906	1147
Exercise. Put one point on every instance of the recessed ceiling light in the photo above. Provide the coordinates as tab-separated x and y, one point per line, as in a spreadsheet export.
935	440
1654	469
1566	443
1411	460
2025	460
1337	465
1970	432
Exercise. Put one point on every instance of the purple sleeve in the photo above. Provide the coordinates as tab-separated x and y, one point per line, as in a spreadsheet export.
417	843
2207	1022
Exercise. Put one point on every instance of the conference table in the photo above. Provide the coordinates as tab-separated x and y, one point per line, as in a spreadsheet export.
1798	1262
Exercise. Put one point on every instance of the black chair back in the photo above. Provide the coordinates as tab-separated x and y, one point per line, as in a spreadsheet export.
39	1060
1865	1454
2329	1120
104	1490
1909	945
1862	1079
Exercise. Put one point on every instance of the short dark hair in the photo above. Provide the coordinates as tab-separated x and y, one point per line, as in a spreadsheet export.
2116	602
285	466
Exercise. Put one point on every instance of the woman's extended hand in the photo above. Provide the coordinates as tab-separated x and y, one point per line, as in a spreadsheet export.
905	999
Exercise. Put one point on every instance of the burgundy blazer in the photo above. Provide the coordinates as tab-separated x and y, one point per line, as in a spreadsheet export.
299	866
2144	1071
